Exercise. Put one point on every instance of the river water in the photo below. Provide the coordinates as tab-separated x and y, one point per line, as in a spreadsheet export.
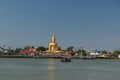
53	69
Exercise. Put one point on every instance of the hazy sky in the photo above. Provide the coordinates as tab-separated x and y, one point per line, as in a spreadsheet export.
92	24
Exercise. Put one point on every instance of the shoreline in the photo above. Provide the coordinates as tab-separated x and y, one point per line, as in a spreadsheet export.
47	57
39	57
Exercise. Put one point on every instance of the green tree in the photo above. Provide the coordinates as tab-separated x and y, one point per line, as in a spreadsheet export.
17	50
26	47
83	52
116	52
104	52
40	48
70	48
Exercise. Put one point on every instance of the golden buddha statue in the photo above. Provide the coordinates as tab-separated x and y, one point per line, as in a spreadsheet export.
53	46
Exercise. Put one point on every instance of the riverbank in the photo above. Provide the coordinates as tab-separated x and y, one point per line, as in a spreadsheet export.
26	56
49	56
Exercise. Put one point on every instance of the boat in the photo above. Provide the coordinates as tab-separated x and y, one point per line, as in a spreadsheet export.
66	60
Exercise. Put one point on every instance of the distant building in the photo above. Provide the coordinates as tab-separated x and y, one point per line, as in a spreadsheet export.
94	53
30	50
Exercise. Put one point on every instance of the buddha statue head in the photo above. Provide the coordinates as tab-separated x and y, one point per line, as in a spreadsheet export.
53	39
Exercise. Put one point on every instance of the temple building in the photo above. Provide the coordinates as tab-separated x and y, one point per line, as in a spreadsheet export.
53	46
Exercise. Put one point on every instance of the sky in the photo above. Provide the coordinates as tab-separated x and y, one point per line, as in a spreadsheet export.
91	24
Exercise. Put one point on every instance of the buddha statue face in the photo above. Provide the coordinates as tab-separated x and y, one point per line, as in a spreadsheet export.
53	39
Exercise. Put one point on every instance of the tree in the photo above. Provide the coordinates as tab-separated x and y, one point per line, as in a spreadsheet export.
40	48
17	50
104	52
70	48
116	52
83	52
26	47
59	48
11	52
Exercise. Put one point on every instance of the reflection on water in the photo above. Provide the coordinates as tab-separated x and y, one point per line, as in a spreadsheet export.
51	68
